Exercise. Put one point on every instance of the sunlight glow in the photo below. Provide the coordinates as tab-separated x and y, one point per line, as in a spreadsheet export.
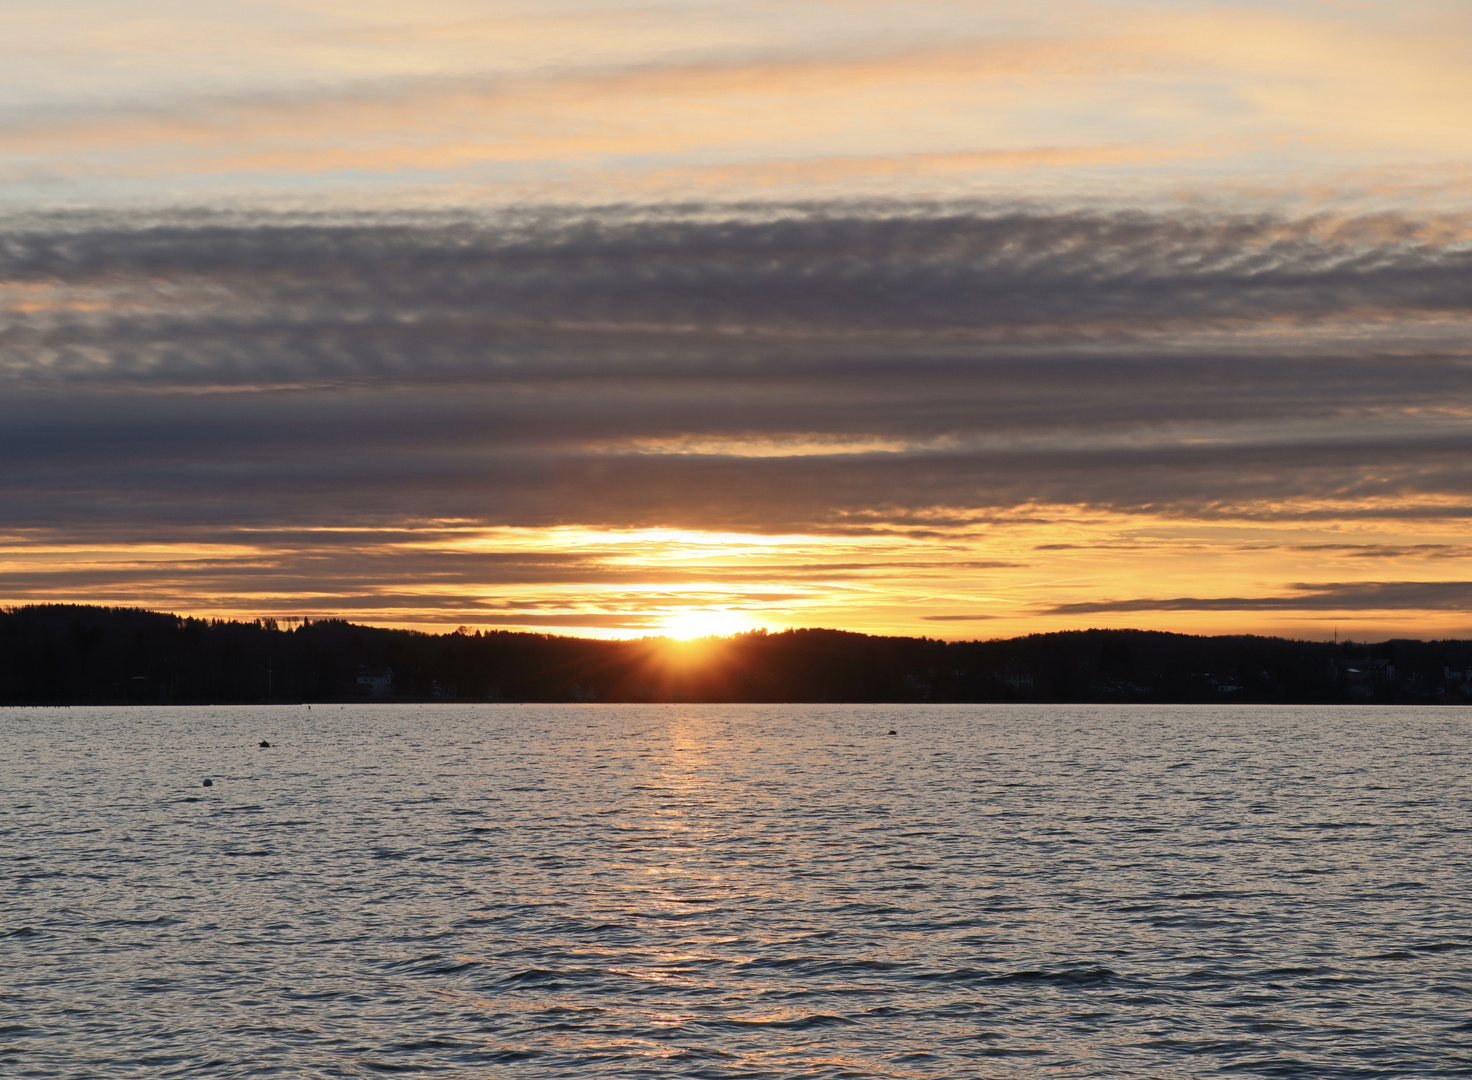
690	625
1006	574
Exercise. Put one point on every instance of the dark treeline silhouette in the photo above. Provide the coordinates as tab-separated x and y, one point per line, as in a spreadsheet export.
65	654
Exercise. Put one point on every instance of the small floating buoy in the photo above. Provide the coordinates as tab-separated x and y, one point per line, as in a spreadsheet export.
264	743
892	731
208	783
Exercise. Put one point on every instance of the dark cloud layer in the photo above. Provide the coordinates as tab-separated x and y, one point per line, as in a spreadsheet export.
814	368
1357	596
810	271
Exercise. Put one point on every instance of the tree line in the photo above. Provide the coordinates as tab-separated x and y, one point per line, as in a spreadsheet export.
72	654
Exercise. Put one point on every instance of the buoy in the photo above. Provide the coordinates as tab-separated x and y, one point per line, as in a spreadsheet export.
892	731
208	783
265	743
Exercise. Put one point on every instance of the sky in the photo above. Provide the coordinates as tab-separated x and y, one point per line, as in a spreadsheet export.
957	319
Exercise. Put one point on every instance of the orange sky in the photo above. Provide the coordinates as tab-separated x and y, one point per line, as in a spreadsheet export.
961	319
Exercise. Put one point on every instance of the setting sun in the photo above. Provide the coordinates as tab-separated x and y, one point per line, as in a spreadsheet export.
698	624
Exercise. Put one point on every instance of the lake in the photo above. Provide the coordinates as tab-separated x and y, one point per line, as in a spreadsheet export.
735	891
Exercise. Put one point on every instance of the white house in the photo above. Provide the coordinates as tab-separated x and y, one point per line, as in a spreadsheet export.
377	681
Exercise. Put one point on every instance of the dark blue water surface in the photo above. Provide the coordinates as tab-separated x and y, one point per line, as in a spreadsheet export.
735	891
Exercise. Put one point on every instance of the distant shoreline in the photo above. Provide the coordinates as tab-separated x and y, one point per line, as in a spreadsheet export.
90	655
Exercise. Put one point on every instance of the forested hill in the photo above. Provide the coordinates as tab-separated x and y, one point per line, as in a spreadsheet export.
63	654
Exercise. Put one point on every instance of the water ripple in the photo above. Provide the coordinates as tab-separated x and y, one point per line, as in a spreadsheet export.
734	892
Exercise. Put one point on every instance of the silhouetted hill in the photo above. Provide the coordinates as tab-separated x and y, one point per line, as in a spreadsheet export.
65	654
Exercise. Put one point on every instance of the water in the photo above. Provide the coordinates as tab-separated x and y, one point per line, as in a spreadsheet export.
752	891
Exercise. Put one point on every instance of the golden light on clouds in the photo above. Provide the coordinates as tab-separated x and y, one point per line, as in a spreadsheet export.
1044	568
394	102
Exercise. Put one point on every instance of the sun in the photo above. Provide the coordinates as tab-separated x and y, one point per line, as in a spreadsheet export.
707	623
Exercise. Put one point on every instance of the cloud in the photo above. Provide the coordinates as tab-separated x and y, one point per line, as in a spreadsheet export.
1069	99
1355	596
304	301
732	102
337	399
818	367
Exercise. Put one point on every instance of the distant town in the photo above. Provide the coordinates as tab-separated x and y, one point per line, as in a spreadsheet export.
66	654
